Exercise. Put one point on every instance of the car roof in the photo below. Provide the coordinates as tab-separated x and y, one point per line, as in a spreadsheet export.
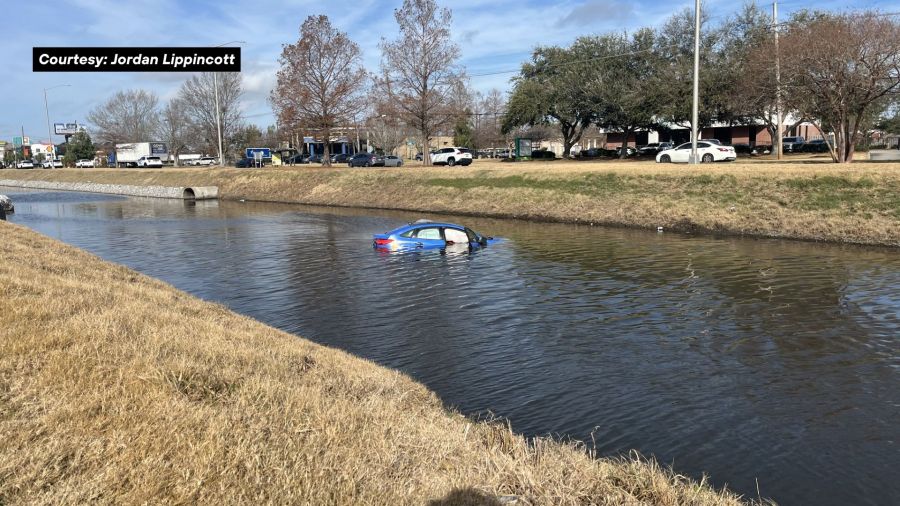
425	224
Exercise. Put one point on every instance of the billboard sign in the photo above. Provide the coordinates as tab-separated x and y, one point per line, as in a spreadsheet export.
65	128
17	142
158	149
266	153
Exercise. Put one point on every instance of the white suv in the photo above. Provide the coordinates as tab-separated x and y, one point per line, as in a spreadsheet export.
83	163
149	161
52	164
452	156
206	160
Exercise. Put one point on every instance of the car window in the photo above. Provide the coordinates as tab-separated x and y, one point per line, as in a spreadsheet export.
408	233
429	233
455	235
473	237
703	144
447	150
686	145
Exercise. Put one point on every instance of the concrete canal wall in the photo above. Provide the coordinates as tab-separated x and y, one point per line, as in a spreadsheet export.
165	192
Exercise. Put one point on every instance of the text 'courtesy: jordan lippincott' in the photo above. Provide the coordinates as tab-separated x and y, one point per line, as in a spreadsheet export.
135	59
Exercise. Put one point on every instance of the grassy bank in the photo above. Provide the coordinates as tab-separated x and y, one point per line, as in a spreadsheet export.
115	387
859	203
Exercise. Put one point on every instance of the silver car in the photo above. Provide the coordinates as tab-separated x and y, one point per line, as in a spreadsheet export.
393	161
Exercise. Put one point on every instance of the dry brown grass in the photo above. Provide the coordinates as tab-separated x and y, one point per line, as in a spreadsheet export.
802	198
117	388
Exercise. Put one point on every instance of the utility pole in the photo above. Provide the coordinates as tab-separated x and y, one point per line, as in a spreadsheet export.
218	111
218	118
779	135
49	132
696	108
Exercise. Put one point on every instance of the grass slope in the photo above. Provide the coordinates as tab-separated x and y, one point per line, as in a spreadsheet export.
859	203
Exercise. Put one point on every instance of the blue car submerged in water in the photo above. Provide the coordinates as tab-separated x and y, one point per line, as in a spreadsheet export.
425	234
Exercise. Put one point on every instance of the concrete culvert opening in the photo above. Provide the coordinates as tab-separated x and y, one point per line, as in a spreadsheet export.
188	194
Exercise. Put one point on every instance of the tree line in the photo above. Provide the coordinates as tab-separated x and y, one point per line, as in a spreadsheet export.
840	72
187	122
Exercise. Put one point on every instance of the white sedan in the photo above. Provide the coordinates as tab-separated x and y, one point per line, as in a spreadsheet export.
707	152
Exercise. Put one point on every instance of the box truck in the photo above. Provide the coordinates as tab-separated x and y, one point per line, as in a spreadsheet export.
127	155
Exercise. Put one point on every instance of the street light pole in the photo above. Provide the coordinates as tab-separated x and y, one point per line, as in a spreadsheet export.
218	117
696	108
47	110
779	136
218	111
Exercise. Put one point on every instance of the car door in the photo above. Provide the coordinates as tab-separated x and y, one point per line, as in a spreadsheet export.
682	153
429	238
704	148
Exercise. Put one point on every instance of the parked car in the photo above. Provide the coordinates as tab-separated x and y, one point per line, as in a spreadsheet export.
425	234
452	156
149	161
593	153
52	164
419	155
245	163
297	159
705	150
648	149
205	160
25	164
792	144
393	161
84	163
340	158
543	154
814	146
315	159
366	160
629	151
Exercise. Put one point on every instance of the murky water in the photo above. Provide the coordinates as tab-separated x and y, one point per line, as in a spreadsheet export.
763	363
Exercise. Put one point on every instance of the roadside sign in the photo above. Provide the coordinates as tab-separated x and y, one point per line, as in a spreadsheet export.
26	140
17	142
266	153
523	148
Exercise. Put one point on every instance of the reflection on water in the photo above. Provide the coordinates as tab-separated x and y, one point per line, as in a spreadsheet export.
747	359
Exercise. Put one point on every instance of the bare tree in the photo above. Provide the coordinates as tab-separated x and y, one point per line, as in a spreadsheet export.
175	128
488	118
198	95
419	67
320	79
843	70
129	116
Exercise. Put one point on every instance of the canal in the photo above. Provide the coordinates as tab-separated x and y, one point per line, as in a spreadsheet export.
771	365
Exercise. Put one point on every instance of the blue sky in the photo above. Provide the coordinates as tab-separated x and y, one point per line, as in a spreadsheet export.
493	36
